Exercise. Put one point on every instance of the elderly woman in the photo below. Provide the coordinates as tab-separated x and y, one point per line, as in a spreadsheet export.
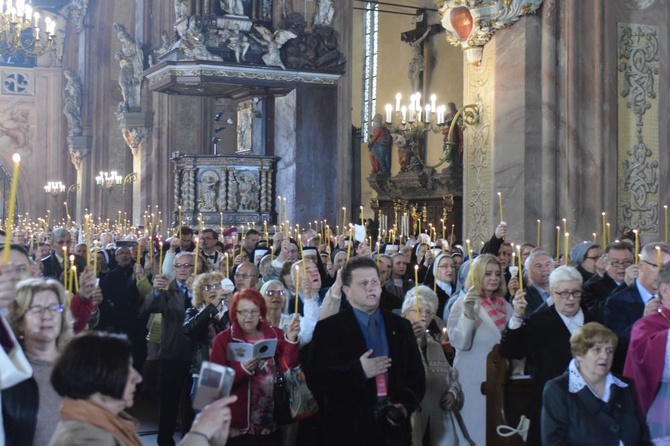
587	405
648	362
275	296
95	377
443	391
442	279
253	422
207	317
475	325
42	321
544	337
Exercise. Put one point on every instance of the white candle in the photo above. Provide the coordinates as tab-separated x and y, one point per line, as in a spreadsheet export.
427	117
388	112
398	96
433	99
403	110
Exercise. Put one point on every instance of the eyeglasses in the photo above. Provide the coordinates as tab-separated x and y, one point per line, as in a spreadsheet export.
38	310
426	313
247	313
244	276
271	293
617	264
566	294
211	287
183	265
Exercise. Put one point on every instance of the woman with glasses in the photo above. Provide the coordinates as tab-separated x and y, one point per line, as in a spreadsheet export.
443	391
276	296
544	337
42	321
253	422
207	317
475	325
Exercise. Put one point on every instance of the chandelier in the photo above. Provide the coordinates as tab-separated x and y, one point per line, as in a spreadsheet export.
55	188
22	33
109	180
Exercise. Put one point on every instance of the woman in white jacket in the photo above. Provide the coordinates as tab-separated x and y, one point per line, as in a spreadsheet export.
475	325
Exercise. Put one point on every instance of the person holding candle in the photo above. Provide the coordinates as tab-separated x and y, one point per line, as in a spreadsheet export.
543	338
252	422
52	265
305	274
41	318
443	391
620	272
441	279
181	243
584	257
475	325
623	308
287	250
538	267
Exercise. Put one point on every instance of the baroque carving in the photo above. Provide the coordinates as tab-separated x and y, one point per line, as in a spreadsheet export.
131	63
19	83
208	191
16	127
248	191
639	157
76	11
72	98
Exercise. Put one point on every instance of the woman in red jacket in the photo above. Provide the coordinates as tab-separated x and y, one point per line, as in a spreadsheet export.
253	422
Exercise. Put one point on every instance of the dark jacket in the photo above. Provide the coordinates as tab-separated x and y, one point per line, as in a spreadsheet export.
198	326
51	267
348	399
574	419
19	412
544	340
622	310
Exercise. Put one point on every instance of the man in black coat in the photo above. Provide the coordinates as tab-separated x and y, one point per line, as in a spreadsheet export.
365	367
52	265
619	274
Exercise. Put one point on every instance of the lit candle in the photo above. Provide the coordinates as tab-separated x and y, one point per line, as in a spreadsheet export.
427	116
297	288
279	218
71	279
665	211
362	222
433	100
160	258
416	290
558	242
565	225
637	245
604	230
344	217
65	271
518	254
139	252
225	259
95	258
595	238
75	279
221	221
87	227
403	110
389	110
178	221
609	235
658	257
500	206
398	97
565	248
467	244
451	237
539	231
351	241
12	204
196	254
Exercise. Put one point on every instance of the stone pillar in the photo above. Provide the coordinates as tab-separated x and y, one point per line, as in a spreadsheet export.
79	148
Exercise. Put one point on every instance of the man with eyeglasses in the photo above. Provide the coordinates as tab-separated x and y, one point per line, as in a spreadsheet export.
246	276
364	363
620	273
543	338
171	298
181	243
625	307
52	265
208	240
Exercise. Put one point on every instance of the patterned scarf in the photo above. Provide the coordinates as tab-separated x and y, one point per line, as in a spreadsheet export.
495	307
122	426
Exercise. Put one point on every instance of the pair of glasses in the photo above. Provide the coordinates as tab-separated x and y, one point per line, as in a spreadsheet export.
566	294
247	313
426	313
212	287
183	265
618	264
38	310
271	293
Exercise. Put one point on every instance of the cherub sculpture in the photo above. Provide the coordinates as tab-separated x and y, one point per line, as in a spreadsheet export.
272	42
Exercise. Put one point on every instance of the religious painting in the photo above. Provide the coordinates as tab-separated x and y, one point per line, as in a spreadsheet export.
245	117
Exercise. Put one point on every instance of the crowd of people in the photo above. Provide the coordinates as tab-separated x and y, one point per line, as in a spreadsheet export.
393	342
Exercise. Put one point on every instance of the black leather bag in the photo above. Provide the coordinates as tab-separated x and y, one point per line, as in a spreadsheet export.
282	402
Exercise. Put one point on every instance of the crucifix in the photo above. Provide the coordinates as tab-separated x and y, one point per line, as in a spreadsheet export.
415	39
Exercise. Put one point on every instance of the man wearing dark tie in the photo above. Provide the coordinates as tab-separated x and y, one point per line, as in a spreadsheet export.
364	367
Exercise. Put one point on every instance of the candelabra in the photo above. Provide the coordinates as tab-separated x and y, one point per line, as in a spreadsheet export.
409	125
21	32
54	188
109	180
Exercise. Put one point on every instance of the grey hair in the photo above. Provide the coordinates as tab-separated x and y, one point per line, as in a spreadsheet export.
427	298
269	283
564	274
648	252
531	258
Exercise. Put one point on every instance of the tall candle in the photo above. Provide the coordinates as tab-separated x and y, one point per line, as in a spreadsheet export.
95	258
12	204
416	289
451	237
604	230
87	225
139	252
71	279
179	222
518	254
75	278
286	212
160	258
467	244
344	217
225	259
609	235
221	221
558	242
351	241
565	248
65	271
565	225
658	257
665	211
595	238
297	288
637	245
196	254
362	222
500	206
539	231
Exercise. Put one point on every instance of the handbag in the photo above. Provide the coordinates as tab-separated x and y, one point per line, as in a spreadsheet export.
282	406
302	401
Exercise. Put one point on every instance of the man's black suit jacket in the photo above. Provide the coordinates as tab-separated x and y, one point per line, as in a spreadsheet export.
621	311
347	397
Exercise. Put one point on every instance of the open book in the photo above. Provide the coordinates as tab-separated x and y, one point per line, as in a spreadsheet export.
242	351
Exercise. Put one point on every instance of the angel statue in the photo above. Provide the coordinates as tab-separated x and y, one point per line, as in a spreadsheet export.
272	42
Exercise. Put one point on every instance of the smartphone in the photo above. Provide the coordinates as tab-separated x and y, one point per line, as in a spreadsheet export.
214	382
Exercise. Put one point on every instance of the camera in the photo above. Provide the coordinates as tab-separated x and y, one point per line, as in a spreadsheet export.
214	382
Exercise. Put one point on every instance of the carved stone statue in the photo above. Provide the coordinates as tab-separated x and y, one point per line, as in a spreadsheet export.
76	11
416	65
238	42
247	189
168	41
380	146
208	189
131	62
323	16
192	43
72	98
315	50
232	7
181	9
272	42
